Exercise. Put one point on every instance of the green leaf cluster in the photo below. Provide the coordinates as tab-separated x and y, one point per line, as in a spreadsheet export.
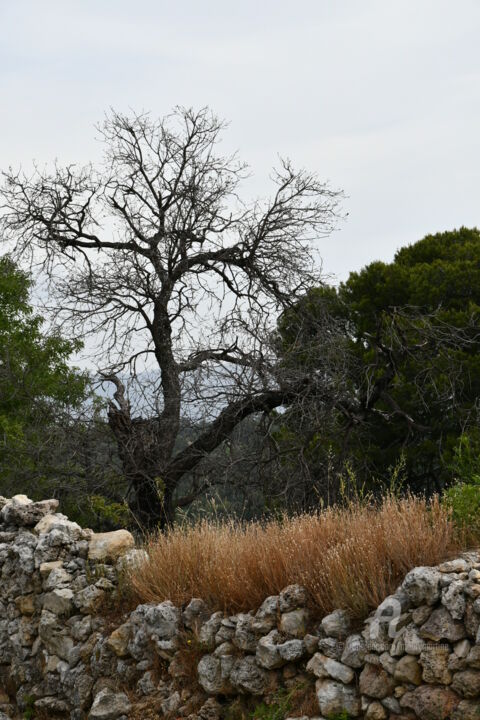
411	327
37	382
34	369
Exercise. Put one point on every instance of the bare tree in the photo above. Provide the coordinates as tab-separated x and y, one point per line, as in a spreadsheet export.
156	258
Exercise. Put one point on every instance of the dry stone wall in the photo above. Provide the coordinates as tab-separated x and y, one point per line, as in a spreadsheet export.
417	656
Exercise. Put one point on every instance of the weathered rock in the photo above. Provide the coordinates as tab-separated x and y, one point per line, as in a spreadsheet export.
462	648
434	661
441	626
453	566
336	698
146	684
131	559
210	628
226	631
54	636
226	648
195	614
248	677
376	711
407	670
266	615
57	521
245	636
375	682
354	651
25	604
89	600
455	664
58	577
118	640
171	704
291	598
472	590
59	601
294	623
454	599
291	650
472	656
79	684
331	647
80	627
322	666
392	705
387	662
422	585
412	641
110	546
471	620
47	567
214	674
109	706
430	702
421	614
467	683
21	511
52	705
337	624
210	710
466	710
267	651
311	643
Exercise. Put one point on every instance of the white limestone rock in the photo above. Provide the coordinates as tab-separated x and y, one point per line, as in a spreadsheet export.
422	585
59	601
335	698
292	597
322	666
109	705
267	614
23	512
109	546
214	674
247	677
294	622
453	599
195	614
337	624
57	521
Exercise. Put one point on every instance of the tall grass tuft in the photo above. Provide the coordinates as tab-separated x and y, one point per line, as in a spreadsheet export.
349	557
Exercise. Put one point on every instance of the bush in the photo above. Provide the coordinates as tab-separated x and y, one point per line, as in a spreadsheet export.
464	501
463	498
350	557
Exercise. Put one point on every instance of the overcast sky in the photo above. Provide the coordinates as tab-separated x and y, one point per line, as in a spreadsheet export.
381	97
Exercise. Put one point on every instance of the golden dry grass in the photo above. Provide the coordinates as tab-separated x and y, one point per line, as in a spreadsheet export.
346	557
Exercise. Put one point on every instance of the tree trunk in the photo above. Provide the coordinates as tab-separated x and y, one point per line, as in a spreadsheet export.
151	504
140	451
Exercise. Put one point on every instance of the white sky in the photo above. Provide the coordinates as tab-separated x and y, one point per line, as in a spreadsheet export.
381	97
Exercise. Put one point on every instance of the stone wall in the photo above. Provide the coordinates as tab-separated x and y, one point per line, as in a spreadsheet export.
64	654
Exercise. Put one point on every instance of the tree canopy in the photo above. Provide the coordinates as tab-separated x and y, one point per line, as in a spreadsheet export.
36	379
404	378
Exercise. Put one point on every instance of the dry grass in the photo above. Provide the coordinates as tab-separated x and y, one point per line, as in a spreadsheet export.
303	701
346	557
